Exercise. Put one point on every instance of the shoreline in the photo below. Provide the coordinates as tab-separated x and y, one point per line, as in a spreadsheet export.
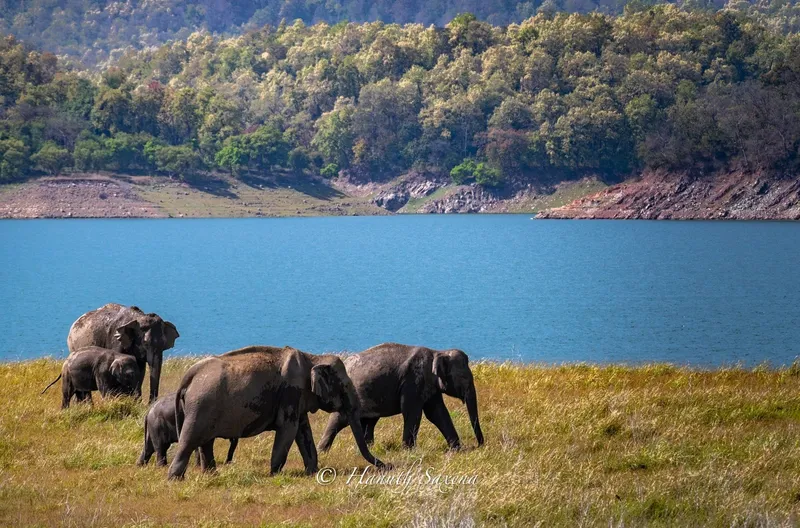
649	196
665	366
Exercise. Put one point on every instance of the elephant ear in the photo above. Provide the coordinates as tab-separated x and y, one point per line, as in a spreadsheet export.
320	382
116	367
170	334
126	334
440	370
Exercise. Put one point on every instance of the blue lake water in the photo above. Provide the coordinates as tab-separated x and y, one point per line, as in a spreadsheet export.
499	287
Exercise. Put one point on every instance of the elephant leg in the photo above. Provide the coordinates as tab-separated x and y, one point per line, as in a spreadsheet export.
198	457
280	449
83	396
188	442
436	412
207	462
368	424
141	364
412	416
231	450
336	423
66	391
161	457
305	443
147	450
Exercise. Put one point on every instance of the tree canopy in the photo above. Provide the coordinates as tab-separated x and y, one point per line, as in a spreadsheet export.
565	94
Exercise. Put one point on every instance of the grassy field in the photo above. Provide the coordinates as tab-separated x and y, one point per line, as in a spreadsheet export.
236	199
565	446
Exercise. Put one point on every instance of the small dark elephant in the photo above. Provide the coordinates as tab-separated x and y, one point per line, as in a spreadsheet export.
128	330
392	379
160	432
260	388
96	369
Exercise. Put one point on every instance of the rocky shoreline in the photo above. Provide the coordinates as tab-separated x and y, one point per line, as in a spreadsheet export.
653	195
664	196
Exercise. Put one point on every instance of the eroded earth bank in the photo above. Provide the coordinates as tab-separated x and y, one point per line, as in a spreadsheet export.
652	195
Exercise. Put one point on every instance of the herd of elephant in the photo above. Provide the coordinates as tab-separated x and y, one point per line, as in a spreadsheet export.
245	392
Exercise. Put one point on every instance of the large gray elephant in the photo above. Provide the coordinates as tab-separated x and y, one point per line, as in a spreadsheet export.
128	330
392	379
96	369
260	388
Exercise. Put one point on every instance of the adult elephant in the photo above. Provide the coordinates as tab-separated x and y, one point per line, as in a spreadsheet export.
260	388
395	379
129	330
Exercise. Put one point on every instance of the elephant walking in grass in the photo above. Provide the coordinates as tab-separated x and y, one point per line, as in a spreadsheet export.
259	388
96	369
161	431
395	379
128	330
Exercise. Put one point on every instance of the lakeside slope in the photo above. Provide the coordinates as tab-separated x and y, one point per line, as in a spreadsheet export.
565	446
663	196
105	195
652	195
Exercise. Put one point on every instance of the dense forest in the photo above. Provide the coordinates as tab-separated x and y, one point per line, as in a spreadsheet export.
563	94
97	31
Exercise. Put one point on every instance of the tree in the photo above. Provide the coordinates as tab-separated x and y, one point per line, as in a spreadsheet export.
299	160
334	138
111	112
13	159
51	158
90	154
487	175
179	161
266	147
463	172
331	170
179	116
231	157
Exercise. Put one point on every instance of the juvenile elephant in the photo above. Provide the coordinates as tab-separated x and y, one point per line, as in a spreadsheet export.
260	388
392	379
160	432
128	330
96	369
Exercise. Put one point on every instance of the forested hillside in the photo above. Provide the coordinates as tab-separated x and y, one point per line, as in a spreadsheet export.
95	31
554	97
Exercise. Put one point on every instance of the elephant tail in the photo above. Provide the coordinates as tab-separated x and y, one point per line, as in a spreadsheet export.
179	395
53	383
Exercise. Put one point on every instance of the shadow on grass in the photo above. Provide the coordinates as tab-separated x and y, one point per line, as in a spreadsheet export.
216	186
299	183
102	410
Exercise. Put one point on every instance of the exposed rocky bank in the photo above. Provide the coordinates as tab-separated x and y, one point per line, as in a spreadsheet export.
75	198
654	195
661	196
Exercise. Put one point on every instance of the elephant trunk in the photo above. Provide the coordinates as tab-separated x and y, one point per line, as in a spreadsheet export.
155	374
471	399
358	433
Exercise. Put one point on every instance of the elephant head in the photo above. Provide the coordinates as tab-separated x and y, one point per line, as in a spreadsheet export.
146	337
454	377
126	374
335	392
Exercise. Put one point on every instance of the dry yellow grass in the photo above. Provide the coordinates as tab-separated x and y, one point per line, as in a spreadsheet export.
572	446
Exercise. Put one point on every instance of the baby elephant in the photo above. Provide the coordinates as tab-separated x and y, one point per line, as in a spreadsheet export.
160	432
95	368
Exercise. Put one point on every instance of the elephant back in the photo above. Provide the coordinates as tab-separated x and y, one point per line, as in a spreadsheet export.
97	328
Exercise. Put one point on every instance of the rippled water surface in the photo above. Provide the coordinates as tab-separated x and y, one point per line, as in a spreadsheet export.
500	287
